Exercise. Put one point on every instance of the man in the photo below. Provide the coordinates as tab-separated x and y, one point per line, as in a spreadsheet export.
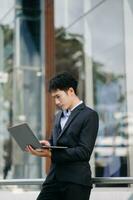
75	127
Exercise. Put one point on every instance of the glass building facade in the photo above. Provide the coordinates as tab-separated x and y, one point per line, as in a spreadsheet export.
91	35
93	40
21	88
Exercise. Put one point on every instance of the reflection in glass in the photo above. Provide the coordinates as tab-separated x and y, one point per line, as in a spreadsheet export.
29	35
96	31
109	88
20	84
69	56
27	84
6	82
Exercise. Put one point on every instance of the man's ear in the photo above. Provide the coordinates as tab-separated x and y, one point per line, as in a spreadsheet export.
71	91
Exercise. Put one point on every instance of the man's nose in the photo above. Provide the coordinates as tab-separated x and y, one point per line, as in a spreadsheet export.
57	102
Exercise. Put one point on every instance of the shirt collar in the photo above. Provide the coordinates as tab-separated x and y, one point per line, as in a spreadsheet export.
66	113
76	105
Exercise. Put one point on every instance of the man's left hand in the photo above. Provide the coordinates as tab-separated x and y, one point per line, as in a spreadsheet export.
39	152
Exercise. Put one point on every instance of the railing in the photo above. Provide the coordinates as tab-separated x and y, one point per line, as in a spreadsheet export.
99	181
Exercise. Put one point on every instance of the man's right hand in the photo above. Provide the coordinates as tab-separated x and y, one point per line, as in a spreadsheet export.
45	142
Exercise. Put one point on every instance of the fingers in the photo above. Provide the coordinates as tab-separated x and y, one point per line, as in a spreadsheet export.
45	142
38	152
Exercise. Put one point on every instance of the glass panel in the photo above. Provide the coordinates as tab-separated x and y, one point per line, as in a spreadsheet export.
67	14
69	44
30	39
27	88
128	118
20	84
6	82
109	88
99	33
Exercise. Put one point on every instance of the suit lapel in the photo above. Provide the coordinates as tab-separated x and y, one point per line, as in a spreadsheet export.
57	127
74	113
58	118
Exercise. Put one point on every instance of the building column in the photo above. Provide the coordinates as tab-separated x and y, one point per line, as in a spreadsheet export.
49	67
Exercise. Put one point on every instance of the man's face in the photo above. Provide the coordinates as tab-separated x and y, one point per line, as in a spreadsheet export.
63	99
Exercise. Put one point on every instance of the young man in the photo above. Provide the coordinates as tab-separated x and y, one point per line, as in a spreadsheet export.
75	127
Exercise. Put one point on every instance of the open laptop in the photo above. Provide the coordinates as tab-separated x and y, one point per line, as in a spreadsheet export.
24	136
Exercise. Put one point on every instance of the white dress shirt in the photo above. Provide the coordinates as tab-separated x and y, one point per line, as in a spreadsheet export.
66	114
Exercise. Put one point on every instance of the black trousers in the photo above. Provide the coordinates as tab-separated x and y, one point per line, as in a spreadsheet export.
64	191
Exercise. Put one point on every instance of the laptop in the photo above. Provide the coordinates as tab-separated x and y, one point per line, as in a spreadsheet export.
23	135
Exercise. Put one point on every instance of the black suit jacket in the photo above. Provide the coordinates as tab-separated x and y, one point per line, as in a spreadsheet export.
79	135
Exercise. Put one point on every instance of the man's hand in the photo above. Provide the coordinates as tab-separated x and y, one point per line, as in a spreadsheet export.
45	142
40	152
